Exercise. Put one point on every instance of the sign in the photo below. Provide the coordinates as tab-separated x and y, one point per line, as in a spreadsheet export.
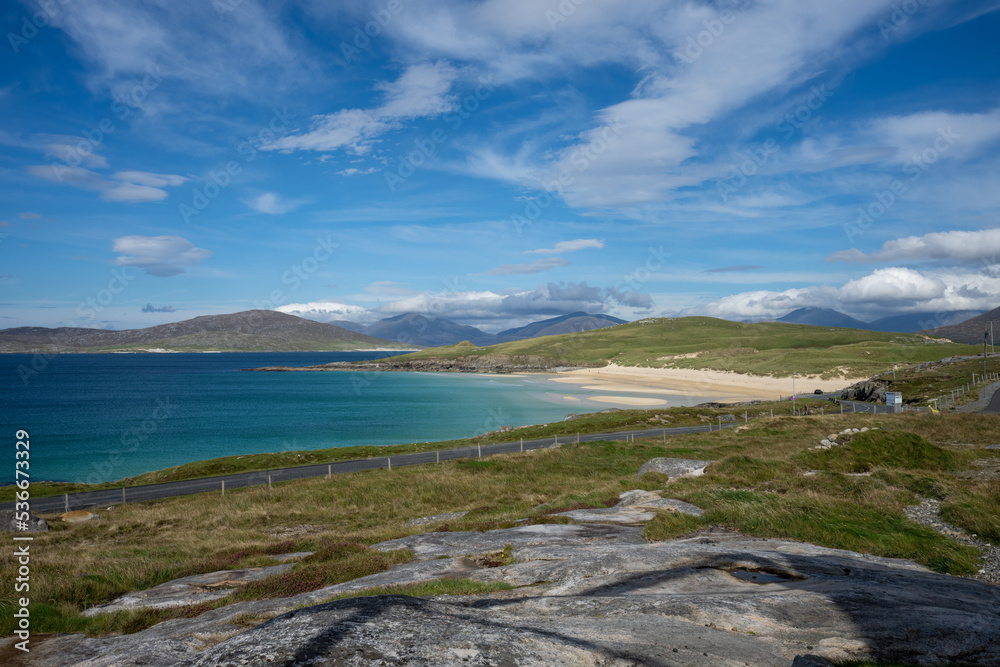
894	400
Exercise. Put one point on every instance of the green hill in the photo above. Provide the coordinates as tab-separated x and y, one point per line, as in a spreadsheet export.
766	348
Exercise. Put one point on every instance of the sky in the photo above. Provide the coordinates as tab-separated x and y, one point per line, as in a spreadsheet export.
497	162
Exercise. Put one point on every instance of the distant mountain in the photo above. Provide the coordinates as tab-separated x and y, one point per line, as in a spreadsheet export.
249	331
825	317
969	331
430	331
917	321
572	323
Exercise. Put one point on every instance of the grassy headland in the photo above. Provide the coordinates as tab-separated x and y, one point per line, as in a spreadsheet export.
768	348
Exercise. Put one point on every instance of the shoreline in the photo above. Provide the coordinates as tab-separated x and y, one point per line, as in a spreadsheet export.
719	386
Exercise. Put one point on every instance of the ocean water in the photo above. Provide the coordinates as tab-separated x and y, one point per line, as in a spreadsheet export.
101	417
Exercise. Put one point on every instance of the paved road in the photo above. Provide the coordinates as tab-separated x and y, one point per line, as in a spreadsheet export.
134	494
994	407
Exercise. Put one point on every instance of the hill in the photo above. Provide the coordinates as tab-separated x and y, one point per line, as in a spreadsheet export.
572	323
765	348
825	317
248	331
971	330
919	321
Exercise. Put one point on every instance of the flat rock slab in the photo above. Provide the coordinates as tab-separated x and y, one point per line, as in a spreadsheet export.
435	545
196	589
674	468
634	507
437	518
593	595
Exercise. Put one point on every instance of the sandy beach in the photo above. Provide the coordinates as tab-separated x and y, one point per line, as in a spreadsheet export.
664	386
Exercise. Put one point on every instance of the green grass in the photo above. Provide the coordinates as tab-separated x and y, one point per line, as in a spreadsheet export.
769	348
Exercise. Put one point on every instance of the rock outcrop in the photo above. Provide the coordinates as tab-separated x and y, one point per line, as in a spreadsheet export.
673	468
592	594
868	390
34	524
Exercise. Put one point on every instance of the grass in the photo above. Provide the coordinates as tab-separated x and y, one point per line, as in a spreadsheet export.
758	486
921	385
767	348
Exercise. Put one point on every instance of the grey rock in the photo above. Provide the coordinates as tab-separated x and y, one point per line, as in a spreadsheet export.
8	522
674	468
298	555
437	518
590	595
196	589
635	506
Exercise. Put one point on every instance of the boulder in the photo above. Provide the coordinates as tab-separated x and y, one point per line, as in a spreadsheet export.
34	524
673	468
811	661
868	390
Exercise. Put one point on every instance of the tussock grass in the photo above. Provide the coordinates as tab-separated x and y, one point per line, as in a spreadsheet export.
758	486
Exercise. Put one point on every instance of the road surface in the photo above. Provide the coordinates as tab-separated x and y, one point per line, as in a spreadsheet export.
134	494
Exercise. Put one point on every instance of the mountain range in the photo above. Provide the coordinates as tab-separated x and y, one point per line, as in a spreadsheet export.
272	331
911	323
431	331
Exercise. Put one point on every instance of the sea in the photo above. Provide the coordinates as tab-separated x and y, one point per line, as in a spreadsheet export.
103	417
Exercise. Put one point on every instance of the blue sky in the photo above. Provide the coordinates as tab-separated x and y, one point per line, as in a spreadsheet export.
496	162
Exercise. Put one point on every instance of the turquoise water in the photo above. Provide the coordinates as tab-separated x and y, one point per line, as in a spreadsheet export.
101	417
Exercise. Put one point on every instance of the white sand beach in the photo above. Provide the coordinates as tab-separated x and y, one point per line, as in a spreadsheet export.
667	383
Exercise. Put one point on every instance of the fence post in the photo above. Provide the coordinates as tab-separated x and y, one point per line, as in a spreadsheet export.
522	444
329	471
67	502
388	460
223	488
123	495
438	458
480	447
269	481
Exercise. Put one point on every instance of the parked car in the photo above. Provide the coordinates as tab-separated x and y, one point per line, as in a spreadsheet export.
818	391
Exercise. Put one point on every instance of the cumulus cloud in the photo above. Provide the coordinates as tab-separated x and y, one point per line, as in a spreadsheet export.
123	186
422	91
956	246
538	266
889	291
492	310
161	256
568	246
328	311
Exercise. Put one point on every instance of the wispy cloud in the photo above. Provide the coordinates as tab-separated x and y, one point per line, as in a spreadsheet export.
568	246
271	204
956	246
421	91
735	269
124	186
538	266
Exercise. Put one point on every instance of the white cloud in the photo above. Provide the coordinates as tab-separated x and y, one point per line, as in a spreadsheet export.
421	91
328	311
537	266
271	204
568	246
948	135
124	186
492	310
883	292
354	171
957	246
158	255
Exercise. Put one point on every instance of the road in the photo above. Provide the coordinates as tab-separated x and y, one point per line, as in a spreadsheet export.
994	407
135	494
